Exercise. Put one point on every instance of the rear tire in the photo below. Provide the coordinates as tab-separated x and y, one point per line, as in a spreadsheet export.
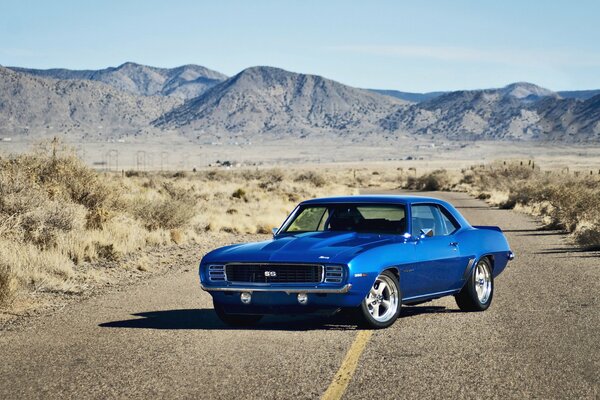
478	292
381	306
235	319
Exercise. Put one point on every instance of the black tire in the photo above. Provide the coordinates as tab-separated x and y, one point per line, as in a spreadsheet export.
365	315
235	319
468	298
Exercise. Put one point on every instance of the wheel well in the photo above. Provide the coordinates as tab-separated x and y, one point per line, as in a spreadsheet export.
394	271
490	259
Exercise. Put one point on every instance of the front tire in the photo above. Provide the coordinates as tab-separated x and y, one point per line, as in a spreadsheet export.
381	307
235	319
478	292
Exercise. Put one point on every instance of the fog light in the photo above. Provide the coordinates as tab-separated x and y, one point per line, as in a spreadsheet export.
302	298
246	297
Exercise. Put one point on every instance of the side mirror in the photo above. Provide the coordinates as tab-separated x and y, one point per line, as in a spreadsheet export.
274	230
426	233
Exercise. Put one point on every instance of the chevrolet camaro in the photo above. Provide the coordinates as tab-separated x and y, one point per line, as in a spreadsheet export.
366	254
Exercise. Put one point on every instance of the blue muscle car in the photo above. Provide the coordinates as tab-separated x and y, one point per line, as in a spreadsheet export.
368	254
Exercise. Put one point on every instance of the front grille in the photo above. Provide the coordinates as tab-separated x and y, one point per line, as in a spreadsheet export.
274	273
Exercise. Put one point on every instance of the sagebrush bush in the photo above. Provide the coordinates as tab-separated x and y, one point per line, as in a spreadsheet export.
8	284
433	181
167	213
312	177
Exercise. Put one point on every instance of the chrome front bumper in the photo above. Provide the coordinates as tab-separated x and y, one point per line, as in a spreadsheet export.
344	289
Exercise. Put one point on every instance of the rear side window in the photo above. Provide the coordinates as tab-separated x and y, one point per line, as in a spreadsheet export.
432	216
449	225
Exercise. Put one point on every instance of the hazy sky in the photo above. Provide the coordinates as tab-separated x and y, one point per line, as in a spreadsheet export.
404	45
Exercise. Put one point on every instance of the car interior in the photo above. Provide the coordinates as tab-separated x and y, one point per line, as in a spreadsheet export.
349	218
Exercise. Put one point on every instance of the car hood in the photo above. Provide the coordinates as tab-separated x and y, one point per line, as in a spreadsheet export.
311	247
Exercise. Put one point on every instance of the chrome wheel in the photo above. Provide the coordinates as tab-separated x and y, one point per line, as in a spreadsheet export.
382	300
483	282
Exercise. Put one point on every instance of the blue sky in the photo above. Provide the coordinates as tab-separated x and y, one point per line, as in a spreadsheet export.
403	45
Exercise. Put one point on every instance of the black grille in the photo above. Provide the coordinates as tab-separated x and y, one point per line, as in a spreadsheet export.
274	273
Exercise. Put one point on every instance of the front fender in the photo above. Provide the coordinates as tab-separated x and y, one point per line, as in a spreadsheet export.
365	267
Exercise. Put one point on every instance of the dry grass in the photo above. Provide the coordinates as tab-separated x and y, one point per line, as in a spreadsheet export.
60	220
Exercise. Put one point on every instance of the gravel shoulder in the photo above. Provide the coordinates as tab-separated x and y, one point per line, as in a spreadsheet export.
160	337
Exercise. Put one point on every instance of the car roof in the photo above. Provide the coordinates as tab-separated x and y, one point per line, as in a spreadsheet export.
377	199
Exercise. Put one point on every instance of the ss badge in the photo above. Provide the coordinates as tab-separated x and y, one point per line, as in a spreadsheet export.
270	273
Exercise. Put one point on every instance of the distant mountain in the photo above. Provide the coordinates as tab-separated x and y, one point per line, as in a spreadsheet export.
518	111
185	82
33	105
133	99
272	100
571	119
409	96
579	94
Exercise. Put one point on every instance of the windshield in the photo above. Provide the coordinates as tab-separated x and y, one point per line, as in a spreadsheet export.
372	218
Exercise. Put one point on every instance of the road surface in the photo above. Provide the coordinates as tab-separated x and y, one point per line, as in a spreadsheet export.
540	338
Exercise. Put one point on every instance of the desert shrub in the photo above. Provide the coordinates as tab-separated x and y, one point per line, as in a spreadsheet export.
180	174
239	193
433	181
311	177
43	225
271	179
216	175
96	218
133	173
166	213
8	284
106	251
587	235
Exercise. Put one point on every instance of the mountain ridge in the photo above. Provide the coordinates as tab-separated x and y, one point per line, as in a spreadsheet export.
267	99
193	101
185	82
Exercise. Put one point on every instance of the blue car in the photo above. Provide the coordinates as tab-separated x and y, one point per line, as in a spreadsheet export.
366	254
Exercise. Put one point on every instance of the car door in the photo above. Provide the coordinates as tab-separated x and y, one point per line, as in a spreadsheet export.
438	262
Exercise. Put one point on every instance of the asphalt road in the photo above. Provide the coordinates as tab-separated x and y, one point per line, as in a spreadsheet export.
539	339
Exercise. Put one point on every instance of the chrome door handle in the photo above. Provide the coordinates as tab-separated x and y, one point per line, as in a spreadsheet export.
454	244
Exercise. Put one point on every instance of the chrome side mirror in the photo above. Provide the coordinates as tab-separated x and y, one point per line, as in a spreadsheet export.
426	232
274	231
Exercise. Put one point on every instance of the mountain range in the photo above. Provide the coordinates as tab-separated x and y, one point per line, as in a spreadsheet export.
192	100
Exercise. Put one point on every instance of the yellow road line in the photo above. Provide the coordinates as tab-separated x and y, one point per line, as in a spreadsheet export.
340	382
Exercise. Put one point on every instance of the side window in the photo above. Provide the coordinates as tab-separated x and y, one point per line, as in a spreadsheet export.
430	216
448	222
422	218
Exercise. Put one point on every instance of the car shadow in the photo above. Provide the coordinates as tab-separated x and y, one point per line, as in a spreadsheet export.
206	319
411	311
